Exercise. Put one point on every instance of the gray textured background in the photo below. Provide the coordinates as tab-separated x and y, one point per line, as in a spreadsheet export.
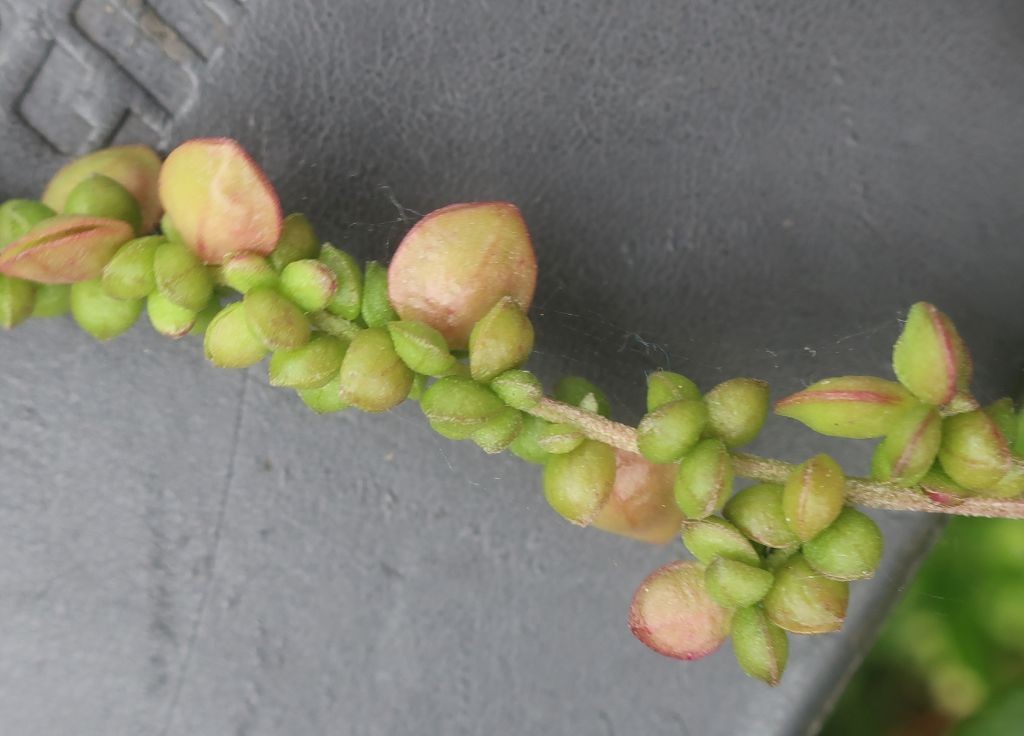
720	188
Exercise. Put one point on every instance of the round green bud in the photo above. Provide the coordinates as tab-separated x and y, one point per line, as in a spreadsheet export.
930	358
275	319
421	347
52	300
309	283
559	439
713	537
181	276
577	484
100	314
973	452
310	366
578	391
130	273
245	271
813	496
850	549
326	399
498	433
228	341
761	647
348	294
858	407
1005	416
169	230
519	389
501	340
167	317
737	410
376	309
101	196
910	448
526	446
457	407
373	377
298	240
757	512
704	480
804	602
666	386
18	216
667	433
205	317
735	584
17	300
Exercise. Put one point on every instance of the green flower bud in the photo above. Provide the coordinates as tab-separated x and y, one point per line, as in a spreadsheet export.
714	537
804	602
52	300
704	480
761	647
181	276
334	325
910	448
326	399
421	347
665	386
497	434
457	407
275	319
348	295
99	314
813	496
850	549
858	407
376	309
1005	417
578	483
574	390
559	439
757	512
640	505
735	584
526	446
930	358
519	389
18	216
167	317
310	366
373	377
670	431
737	410
205	317
101	196
501	340
17	299
169	231
309	283
130	273
973	452
228	341
298	241
1010	485
243	272
64	249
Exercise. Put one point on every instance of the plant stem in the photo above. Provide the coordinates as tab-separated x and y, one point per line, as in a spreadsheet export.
860	491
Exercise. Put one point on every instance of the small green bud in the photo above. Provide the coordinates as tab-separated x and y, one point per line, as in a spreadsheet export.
334	325
421	347
181	276
850	549
501	340
737	410
519	389
1010	485
18	216
373	377
310	366
326	399
52	300
527	445
930	358
500	432
348	295
101	196
99	314
169	231
574	390
17	300
376	309
670	431
973	452
309	283
813	496
245	271
757	512
457	407
1005	417
167	317
736	584
858	407
228	341
761	647
298	241
275	319
910	448
130	274
704	480
205	317
559	439
804	602
665	386
578	483
714	537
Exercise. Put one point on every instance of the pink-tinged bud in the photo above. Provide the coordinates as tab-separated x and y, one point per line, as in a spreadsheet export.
641	505
65	249
974	452
136	168
857	407
930	358
909	449
457	262
673	614
219	200
942	489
